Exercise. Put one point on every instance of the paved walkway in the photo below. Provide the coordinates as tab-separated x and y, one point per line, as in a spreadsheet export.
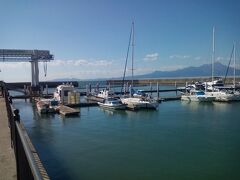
7	157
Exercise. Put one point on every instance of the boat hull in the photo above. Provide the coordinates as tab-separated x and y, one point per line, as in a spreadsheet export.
138	103
44	107
43	110
223	97
114	107
198	98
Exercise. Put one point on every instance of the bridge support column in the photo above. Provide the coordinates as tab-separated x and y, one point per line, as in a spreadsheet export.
35	73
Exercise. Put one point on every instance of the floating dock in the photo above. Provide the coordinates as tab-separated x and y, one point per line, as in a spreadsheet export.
83	104
67	111
94	98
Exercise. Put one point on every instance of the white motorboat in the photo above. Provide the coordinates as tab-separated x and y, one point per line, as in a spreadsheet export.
100	96
197	96
105	94
66	94
140	103
112	103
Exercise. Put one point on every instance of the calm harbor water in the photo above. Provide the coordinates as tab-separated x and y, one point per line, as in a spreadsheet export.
178	141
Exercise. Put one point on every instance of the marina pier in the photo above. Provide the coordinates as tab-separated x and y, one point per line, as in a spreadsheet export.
8	162
120	90
19	158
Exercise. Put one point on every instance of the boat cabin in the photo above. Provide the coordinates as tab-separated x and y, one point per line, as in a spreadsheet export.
61	92
139	93
105	94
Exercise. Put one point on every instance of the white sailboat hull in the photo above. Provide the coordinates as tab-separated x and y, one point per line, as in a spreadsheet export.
202	98
222	96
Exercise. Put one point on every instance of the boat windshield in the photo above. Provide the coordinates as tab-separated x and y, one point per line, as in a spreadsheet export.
114	102
200	93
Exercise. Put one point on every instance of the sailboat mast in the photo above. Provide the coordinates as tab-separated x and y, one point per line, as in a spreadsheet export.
213	53
234	64
125	67
132	50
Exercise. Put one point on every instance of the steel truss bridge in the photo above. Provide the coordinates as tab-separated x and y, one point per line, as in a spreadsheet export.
32	56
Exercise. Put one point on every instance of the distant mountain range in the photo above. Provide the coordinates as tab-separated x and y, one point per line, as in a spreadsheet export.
201	71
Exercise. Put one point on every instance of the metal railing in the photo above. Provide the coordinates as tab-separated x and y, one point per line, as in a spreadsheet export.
28	163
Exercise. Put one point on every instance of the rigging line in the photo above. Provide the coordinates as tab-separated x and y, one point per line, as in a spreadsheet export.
237	57
228	65
132	50
124	72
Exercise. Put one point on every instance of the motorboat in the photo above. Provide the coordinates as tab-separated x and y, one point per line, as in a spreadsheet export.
66	94
112	103
140	102
100	96
46	106
105	94
197	96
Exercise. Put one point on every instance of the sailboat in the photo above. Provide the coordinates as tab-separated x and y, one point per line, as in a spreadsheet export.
220	95
131	101
236	94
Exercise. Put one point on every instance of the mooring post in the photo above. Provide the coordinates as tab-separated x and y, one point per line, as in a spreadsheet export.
151	87
158	91
186	87
176	87
41	91
97	87
86	89
24	89
46	89
90	88
130	91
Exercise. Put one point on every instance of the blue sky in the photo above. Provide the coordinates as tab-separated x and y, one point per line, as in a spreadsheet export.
89	37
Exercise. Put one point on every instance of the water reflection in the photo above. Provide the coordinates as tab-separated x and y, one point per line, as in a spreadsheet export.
225	106
134	142
195	106
112	112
